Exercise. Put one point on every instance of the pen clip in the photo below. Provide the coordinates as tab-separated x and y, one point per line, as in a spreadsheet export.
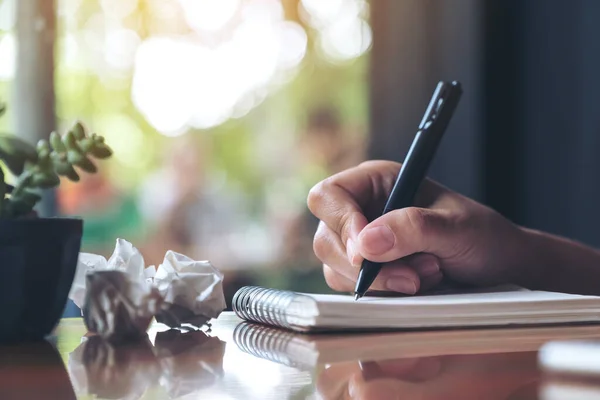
437	102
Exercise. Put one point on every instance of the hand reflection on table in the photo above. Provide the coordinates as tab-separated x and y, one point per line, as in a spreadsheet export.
480	376
33	371
181	363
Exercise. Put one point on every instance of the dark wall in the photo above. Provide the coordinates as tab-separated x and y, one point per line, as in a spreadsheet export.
556	119
527	133
416	43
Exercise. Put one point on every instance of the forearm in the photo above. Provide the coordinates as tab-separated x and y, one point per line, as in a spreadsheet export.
558	264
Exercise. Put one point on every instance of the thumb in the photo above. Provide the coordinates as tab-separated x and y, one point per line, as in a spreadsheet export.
403	232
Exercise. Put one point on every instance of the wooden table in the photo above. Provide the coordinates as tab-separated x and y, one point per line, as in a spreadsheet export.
237	360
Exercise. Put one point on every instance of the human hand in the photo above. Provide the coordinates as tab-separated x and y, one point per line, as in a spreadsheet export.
445	234
474	376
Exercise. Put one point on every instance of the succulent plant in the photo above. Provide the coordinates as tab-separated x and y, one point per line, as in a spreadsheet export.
40	167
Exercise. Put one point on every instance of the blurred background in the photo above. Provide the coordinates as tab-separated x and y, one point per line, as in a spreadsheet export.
224	113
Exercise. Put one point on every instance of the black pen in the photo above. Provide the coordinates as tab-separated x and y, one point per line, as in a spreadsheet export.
414	169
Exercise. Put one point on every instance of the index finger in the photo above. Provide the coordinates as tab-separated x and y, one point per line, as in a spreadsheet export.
340	200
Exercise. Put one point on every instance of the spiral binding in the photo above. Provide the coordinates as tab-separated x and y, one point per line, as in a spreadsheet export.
263	305
266	343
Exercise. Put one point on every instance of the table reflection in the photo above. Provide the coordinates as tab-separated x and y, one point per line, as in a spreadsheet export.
181	363
233	360
478	376
33	371
496	365
571	388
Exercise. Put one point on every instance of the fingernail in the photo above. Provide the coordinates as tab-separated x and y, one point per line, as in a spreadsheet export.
353	255
378	240
401	284
426	267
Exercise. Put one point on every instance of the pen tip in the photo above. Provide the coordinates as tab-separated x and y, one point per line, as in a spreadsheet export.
357	296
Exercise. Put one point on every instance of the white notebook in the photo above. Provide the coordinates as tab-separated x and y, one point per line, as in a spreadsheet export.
498	307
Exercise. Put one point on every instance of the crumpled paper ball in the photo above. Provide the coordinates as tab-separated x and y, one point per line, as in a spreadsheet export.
192	290
125	258
87	264
120	297
117	307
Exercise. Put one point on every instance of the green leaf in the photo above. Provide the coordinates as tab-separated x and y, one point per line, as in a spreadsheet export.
78	131
15	164
42	145
87	165
71	142
18	208
81	161
44	163
45	180
74	157
2	108
62	167
14	145
43	150
2	189
15	152
31	197
100	150
72	174
56	143
28	197
86	145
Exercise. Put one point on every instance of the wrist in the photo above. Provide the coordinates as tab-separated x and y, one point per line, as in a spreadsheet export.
555	263
535	263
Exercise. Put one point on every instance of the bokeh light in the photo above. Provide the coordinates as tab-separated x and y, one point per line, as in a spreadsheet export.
209	15
179	82
68	53
293	47
322	12
118	9
120	46
7	14
163	67
347	39
344	31
8	56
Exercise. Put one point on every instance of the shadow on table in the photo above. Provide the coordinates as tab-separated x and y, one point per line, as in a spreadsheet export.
33	371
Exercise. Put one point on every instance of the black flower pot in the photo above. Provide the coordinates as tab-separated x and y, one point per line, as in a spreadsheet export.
38	258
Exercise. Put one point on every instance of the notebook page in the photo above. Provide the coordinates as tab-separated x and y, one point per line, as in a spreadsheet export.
483	297
344	306
344	299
